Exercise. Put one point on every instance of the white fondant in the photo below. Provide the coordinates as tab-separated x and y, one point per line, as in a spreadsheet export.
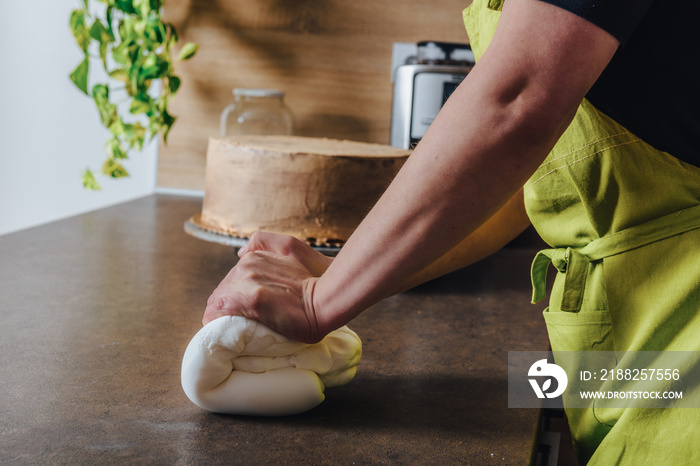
235	365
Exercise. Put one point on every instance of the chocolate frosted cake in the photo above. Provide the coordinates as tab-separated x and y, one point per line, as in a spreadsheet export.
317	190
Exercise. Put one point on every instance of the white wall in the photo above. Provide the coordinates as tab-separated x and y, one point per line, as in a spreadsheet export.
50	131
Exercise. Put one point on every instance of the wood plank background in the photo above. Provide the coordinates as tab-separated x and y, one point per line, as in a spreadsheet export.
331	57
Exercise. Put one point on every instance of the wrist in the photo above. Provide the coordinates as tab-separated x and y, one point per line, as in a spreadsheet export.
318	327
322	317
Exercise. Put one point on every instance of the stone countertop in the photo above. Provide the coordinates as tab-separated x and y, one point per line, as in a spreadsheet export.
97	310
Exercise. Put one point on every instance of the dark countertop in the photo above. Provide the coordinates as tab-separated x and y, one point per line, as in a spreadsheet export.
96	312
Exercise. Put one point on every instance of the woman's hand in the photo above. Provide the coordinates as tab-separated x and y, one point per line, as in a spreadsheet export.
314	261
273	283
273	289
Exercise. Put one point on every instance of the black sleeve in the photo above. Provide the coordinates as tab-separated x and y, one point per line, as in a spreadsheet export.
618	17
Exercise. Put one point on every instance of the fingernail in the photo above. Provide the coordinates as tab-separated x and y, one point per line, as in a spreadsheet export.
242	250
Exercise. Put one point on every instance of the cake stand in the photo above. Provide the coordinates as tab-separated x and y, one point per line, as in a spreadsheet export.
195	227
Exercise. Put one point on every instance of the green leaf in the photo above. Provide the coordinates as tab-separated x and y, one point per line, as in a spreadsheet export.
119	54
127	30
123	28
114	169
79	29
168	121
171	32
135	135
154	126
139	28
100	33
135	52
104	37
114	149
159	33
152	67
174	84
149	60
79	76
188	51
100	92
108	17
117	129
119	74
141	104
89	181
126	6
149	72
135	86
108	110
142	7
153	36
103	53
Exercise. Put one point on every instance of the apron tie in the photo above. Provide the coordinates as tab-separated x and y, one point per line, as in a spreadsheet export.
568	261
575	262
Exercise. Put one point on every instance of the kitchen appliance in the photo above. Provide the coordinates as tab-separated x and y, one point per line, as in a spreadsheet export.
422	86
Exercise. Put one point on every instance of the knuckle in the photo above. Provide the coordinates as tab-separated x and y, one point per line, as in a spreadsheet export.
253	276
221	303
256	297
246	263
290	245
254	238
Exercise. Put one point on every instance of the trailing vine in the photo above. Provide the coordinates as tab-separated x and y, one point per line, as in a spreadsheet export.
134	45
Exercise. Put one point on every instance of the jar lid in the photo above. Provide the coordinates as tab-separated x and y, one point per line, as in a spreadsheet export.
430	52
239	92
444	53
462	55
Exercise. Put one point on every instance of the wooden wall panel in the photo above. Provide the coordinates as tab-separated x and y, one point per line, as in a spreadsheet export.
331	57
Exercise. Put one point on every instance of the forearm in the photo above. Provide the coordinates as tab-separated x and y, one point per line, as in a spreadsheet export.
495	233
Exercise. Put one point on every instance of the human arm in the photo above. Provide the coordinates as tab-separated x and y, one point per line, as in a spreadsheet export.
495	233
488	139
286	261
485	143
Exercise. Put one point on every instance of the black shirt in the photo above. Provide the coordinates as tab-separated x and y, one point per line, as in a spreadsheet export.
652	84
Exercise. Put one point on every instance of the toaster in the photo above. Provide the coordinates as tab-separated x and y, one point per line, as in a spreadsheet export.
422	86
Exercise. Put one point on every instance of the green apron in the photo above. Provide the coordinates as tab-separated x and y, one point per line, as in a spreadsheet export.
623	222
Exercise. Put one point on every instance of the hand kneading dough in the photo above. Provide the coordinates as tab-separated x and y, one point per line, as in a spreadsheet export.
235	365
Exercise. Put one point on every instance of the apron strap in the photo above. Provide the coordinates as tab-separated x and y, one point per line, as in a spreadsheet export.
575	262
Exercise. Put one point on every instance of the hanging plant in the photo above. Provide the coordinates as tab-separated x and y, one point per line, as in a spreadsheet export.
132	43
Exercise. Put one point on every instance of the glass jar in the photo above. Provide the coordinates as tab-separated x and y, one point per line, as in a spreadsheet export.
256	112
